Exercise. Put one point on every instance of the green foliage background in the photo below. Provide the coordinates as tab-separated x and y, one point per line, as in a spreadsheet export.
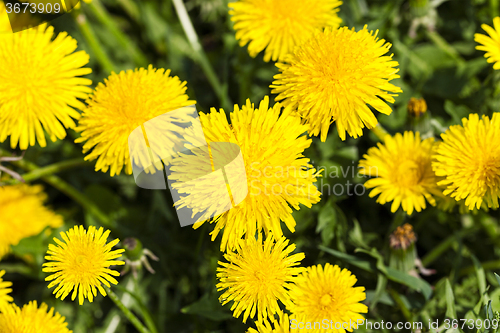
352	231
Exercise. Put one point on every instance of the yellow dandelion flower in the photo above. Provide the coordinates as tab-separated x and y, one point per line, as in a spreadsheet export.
277	173
403	170
32	319
336	76
124	102
279	25
469	160
40	93
257	276
280	326
491	43
18	205
5	290
327	293
81	263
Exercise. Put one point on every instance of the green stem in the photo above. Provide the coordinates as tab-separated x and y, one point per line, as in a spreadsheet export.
487	266
426	318
65	188
103	16
380	132
201	56
90	37
126	300
447	243
130	316
441	43
494	6
406	313
490	227
146	316
131	8
50	170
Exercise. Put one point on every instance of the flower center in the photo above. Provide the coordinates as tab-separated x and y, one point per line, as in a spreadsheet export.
326	299
81	259
261	277
408	174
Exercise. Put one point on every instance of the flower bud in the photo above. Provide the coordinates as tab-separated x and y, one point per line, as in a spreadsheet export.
403	251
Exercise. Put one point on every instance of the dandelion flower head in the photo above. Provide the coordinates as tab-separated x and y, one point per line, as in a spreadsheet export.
257	276
327	292
41	93
32	319
282	325
491	43
19	204
469	160
80	263
335	77
5	290
277	173
279	25
402	172
124	102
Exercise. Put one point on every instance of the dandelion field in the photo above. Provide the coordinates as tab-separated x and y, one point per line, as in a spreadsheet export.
366	192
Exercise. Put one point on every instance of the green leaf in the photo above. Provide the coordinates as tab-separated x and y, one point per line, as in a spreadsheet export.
481	277
489	311
16	268
434	56
375	254
450	301
415	283
379	291
108	201
367	265
457	112
208	307
327	221
392	274
351	153
356	235
470	315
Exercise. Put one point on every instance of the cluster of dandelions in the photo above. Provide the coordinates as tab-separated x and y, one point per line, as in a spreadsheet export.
271	138
328	74
80	265
337	75
462	168
18	205
262	274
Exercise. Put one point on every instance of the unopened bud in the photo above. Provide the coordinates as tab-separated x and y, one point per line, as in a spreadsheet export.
136	257
417	107
403	251
403	237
